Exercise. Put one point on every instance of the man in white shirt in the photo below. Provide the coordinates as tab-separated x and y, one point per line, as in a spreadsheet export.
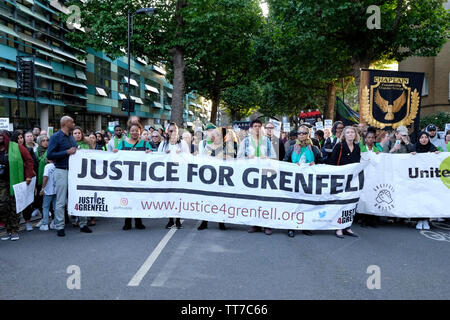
118	137
256	145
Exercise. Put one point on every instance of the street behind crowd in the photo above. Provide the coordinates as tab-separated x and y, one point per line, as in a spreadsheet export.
229	264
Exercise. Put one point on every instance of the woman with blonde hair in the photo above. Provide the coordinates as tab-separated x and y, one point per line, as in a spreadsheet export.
346	151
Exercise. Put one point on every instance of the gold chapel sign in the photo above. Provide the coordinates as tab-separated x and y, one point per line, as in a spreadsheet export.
389	98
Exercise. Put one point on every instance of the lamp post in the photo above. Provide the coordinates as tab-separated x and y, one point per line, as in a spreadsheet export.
147	11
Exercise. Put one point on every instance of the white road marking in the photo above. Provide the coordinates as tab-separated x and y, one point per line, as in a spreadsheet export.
137	278
171	264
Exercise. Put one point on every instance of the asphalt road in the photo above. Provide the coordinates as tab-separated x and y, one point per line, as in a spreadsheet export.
230	264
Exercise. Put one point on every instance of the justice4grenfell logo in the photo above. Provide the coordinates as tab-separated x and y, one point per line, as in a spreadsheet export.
347	216
93	204
443	172
384	197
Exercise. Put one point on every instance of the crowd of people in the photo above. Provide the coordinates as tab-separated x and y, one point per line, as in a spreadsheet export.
28	154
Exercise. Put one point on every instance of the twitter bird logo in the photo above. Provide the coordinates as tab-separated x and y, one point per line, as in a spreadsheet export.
322	214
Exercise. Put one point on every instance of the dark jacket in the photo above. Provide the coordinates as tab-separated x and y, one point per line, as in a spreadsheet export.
57	149
315	150
279	147
347	157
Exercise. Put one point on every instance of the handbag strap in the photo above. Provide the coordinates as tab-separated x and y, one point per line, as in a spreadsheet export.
340	155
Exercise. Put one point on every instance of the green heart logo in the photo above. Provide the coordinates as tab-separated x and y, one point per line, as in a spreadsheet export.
445	165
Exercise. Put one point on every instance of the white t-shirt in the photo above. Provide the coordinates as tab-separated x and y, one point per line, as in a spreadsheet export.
49	171
182	147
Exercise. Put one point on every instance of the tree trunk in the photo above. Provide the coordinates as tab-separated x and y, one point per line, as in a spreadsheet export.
215	106
178	86
331	99
179	65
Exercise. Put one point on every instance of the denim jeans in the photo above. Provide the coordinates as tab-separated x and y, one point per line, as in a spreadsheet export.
48	199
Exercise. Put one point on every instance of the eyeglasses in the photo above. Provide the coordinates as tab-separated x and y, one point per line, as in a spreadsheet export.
171	131
45	140
154	136
302	133
270	128
340	128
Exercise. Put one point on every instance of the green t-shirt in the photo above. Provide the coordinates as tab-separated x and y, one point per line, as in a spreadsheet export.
140	146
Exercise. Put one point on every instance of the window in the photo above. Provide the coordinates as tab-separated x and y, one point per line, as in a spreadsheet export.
123	85
425	86
103	75
151	95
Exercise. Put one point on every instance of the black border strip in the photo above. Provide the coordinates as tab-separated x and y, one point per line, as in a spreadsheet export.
215	194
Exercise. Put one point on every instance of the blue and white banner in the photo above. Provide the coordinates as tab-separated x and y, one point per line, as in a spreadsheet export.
260	192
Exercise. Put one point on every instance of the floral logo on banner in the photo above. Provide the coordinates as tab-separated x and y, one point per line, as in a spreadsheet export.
384	199
123	202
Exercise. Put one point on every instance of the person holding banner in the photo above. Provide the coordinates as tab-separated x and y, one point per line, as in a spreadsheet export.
208	140
424	145
276	142
18	137
62	144
399	142
346	151
134	143
170	145
303	153
16	165
256	145
336	134
216	149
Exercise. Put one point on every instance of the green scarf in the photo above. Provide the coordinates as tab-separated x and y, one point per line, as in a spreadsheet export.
83	145
376	147
15	166
257	147
42	163
116	142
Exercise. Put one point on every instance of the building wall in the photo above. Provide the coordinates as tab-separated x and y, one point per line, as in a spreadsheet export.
437	71
66	85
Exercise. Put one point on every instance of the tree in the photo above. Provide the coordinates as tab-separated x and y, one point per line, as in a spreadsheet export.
326	40
221	50
242	100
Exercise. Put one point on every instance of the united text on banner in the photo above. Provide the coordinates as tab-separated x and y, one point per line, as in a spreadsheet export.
267	193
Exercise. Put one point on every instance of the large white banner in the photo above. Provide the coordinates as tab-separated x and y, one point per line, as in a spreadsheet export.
266	193
406	185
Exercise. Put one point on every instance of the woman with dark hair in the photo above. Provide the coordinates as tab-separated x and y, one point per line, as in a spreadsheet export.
101	143
18	137
303	152
134	143
345	152
331	141
173	144
80	139
423	145
16	166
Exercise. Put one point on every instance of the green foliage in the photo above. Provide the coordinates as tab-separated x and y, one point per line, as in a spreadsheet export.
311	43
242	100
439	120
